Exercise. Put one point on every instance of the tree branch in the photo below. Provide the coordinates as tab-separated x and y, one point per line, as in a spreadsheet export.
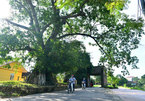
69	26
74	14
18	25
94	38
25	48
45	27
53	6
72	34
37	28
31	18
19	49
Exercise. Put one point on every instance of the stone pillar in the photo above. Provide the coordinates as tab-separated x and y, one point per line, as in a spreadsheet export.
88	81
103	77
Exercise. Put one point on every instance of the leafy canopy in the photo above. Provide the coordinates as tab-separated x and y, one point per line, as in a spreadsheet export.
36	25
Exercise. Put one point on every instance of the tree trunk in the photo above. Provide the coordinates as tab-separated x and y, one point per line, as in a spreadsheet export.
38	79
42	79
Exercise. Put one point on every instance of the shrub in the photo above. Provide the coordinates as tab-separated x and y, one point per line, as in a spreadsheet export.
16	83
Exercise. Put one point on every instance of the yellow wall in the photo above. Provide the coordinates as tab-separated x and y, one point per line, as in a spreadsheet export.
16	69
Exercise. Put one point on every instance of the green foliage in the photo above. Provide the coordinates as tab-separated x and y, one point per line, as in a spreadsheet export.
65	57
16	88
15	94
98	79
111	79
138	88
124	85
141	82
135	79
2	94
16	83
60	78
49	22
96	85
80	74
115	6
122	80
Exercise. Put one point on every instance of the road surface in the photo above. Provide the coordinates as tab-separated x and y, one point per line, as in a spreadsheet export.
88	94
130	95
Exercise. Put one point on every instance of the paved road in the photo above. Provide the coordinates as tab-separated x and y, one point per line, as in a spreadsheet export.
89	94
130	95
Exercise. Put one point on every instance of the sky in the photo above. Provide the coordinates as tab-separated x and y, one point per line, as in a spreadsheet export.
93	50
4	9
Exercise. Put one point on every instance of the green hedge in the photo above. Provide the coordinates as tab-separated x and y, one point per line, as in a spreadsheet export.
17	83
16	88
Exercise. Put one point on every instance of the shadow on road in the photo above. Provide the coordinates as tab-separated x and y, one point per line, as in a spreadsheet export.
89	94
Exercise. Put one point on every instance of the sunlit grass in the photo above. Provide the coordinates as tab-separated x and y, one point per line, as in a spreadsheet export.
10	88
136	88
2	94
16	83
124	87
96	85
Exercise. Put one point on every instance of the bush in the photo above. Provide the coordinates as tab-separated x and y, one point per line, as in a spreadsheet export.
16	88
16	83
2	94
124	85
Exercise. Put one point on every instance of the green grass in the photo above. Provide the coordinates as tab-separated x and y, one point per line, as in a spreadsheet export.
124	87
13	84
96	85
15	94
136	88
9	95
2	94
16	83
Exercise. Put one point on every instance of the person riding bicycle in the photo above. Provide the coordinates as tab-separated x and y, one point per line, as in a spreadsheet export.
83	83
72	80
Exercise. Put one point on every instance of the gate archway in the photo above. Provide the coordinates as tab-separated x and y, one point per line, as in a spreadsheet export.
98	71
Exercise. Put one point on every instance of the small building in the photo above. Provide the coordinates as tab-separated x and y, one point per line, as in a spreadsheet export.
130	78
131	81
12	71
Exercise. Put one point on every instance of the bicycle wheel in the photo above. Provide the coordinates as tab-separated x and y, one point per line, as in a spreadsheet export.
68	89
71	88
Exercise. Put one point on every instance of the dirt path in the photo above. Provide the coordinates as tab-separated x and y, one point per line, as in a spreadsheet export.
89	94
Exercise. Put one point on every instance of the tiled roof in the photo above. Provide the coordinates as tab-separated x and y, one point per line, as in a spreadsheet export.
7	63
23	69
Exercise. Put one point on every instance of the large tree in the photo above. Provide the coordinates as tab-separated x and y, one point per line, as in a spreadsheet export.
64	57
35	25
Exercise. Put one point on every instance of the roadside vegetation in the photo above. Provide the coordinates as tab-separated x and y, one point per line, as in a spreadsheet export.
120	81
139	83
96	85
14	88
17	84
17	88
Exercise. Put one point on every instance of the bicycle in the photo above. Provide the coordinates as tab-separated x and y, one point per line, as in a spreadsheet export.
70	87
83	85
